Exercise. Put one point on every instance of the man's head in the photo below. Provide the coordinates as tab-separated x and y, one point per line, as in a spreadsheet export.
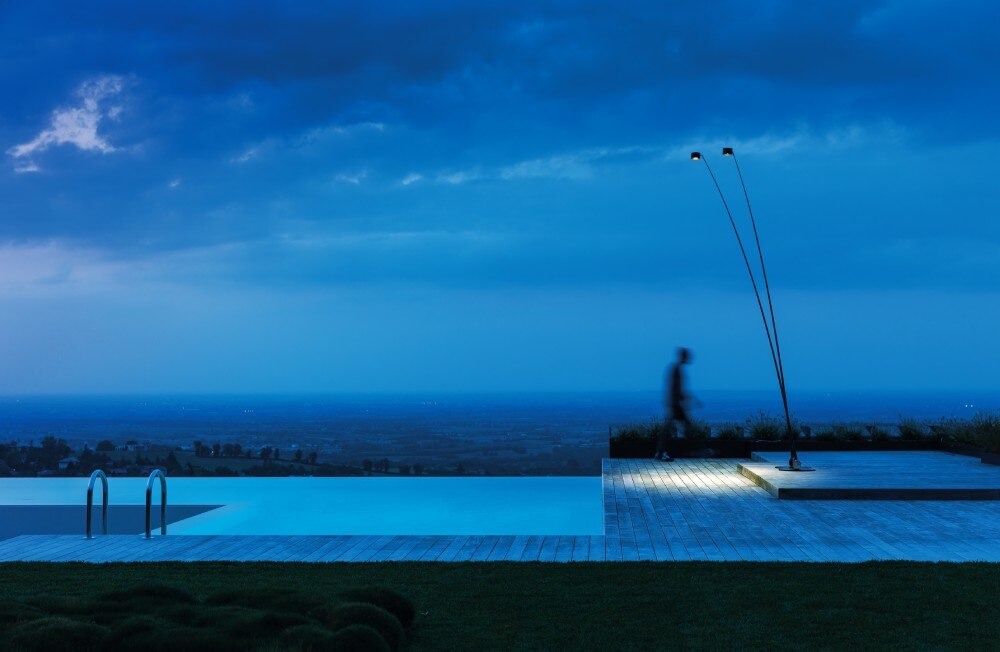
684	355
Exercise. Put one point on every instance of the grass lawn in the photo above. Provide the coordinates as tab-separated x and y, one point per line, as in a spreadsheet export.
891	605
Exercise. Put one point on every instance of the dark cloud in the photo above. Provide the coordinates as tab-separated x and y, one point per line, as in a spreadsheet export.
474	89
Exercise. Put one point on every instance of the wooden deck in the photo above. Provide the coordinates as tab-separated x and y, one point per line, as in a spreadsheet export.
923	475
687	510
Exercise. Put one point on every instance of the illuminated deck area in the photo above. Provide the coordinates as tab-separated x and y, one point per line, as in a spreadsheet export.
687	510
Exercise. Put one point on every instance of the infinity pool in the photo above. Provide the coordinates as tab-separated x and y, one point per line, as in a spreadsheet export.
306	506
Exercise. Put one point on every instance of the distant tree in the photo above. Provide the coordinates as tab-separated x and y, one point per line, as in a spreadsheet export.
404	469
237	450
265	453
199	449
13	459
277	453
312	457
460	470
52	451
385	464
367	466
216	449
418	469
105	446
228	450
298	454
249	453
171	465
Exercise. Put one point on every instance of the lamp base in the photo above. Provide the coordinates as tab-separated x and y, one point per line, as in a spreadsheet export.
791	468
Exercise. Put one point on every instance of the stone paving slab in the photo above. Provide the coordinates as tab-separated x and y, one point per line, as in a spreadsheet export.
702	510
918	475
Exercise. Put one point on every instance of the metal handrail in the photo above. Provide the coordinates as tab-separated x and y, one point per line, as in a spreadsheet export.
104	503
157	473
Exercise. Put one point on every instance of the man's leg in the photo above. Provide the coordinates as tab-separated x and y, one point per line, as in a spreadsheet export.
661	440
666	433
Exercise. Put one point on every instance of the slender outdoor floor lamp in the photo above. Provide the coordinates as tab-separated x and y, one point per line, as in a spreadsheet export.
772	342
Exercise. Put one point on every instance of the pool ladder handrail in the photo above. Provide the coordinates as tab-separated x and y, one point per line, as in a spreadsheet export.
157	473
104	502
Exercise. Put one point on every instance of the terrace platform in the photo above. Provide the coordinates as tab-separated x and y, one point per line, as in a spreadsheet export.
926	475
703	510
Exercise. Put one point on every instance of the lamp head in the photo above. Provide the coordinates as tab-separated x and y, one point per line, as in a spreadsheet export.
695	156
727	151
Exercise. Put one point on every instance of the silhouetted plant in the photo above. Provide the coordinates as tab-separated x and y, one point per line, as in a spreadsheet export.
824	433
848	432
877	432
698	430
763	426
987	431
729	431
639	431
911	429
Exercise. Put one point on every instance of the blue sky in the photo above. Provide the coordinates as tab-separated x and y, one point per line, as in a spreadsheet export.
444	196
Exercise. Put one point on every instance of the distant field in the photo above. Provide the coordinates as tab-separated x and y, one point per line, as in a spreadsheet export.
640	606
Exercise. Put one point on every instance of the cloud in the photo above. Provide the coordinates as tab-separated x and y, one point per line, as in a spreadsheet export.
29	268
354	179
579	165
248	155
76	125
411	179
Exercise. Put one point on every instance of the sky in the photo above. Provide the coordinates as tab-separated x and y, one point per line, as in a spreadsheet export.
495	196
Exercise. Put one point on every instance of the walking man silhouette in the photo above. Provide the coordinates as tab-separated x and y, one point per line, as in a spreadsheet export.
675	400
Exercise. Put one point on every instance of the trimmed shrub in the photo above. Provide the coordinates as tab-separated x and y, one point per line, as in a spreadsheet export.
60	605
360	613
308	638
729	431
358	638
156	635
15	612
56	633
287	600
152	592
272	623
398	605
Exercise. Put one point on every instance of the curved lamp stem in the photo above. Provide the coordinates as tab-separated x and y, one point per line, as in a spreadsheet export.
793	462
794	457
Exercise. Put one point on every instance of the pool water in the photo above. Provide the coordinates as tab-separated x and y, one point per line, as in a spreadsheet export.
380	506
